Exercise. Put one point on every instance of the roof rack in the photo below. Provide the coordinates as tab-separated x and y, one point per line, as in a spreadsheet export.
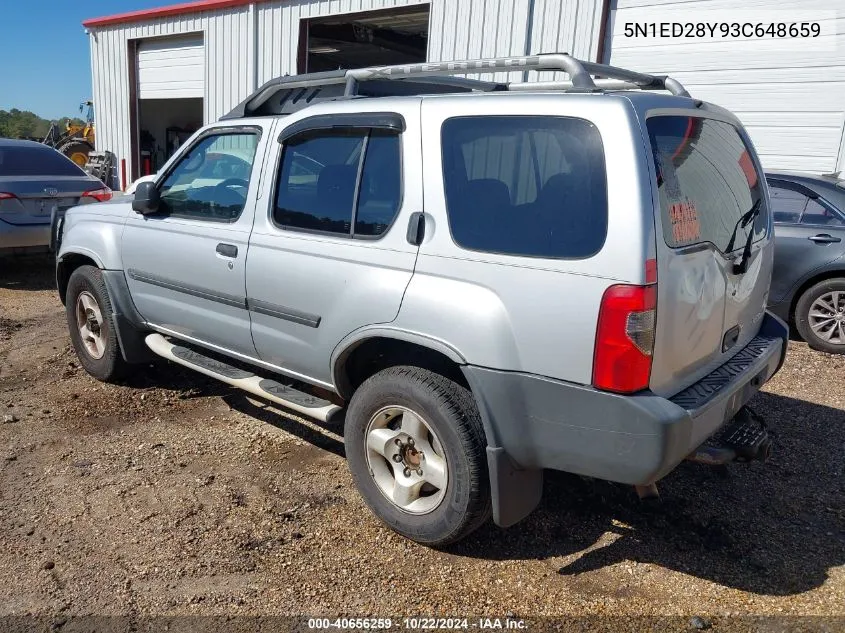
288	94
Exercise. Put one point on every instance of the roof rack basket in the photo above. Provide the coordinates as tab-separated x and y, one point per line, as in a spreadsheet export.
284	95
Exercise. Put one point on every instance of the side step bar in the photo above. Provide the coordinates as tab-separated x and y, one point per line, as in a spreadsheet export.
285	395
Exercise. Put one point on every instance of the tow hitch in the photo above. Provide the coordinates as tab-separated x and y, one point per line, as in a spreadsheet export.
744	439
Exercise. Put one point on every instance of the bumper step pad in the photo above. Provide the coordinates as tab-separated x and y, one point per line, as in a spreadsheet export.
745	438
746	434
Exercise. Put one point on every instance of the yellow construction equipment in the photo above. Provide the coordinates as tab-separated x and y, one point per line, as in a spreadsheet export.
75	141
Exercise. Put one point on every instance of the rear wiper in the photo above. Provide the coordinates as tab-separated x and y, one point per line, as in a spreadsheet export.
747	218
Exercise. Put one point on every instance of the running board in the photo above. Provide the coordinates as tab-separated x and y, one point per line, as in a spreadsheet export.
285	395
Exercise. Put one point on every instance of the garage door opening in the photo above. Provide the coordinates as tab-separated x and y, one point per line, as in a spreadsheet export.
164	124
373	38
169	88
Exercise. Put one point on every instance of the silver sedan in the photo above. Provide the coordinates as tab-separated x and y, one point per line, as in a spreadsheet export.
35	180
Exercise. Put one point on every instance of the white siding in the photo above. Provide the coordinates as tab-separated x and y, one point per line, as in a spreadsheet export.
248	45
566	26
793	104
171	68
229	74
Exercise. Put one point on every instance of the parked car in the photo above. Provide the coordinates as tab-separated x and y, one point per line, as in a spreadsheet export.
34	180
474	277
808	282
130	190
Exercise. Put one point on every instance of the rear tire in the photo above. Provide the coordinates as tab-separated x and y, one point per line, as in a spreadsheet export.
444	467
820	316
91	325
78	152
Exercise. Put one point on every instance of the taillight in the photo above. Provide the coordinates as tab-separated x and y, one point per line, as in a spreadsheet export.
6	196
100	195
625	338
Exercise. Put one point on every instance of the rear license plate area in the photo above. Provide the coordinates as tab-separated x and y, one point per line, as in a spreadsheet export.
41	208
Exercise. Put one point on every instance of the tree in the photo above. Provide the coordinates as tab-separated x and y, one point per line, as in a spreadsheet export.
16	123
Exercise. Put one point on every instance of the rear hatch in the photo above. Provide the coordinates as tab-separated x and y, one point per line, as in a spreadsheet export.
714	246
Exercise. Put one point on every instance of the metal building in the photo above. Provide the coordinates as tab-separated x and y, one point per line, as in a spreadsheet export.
160	71
159	74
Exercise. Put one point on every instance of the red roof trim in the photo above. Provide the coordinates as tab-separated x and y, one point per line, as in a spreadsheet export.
161	12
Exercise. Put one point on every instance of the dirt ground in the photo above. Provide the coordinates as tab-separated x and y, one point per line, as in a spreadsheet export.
174	495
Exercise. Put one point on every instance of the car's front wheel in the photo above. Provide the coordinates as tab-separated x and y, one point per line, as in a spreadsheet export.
820	316
416	450
91	325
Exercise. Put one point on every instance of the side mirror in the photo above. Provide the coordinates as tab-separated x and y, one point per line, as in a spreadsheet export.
147	199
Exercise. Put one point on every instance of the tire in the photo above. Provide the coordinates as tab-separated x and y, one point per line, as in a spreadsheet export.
77	151
448	412
98	353
811	312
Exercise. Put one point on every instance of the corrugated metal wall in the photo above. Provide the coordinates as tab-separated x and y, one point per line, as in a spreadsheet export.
227	77
792	103
247	46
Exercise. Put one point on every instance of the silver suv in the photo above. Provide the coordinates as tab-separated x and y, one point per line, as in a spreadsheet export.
482	280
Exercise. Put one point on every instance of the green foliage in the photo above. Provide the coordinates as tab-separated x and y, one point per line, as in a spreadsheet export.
16	123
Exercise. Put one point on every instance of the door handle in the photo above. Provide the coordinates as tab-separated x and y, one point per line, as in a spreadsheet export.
416	228
227	250
824	238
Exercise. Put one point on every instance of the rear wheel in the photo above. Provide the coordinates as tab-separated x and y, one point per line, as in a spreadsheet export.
91	325
820	316
416	450
77	152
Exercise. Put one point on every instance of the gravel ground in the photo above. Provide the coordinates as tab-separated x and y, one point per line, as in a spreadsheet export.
174	495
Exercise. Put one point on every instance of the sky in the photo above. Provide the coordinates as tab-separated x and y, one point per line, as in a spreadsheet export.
46	62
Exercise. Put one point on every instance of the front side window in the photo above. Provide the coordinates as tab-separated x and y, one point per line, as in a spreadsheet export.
211	181
343	182
708	186
532	186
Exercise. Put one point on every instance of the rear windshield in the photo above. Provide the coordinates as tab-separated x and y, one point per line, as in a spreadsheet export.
707	183
36	161
525	185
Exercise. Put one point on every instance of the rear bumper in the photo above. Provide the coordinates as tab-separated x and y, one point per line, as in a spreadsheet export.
23	236
542	423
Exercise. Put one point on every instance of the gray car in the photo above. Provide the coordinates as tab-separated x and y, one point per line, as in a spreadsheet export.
808	282
479	281
35	180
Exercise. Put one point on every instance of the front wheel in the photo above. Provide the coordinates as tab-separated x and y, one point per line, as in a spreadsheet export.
91	325
820	316
416	450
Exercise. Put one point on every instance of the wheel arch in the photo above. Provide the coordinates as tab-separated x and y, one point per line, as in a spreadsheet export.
363	354
65	266
817	277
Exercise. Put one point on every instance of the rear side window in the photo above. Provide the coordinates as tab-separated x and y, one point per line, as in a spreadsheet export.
344	182
36	161
707	183
525	185
820	214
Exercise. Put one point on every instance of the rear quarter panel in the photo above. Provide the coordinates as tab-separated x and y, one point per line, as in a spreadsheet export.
529	314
